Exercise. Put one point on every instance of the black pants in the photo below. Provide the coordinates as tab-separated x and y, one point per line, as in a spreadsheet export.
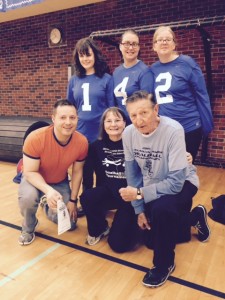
88	175
193	140
170	220
124	232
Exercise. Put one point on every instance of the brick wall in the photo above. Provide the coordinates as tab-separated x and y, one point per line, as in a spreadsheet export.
33	76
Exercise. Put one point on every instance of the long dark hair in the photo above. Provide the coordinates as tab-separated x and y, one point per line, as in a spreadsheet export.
117	112
82	47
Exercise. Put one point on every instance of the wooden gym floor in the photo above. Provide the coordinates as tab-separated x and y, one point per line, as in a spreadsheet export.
64	267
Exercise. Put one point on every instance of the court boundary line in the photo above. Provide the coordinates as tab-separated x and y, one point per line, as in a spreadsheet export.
29	264
121	262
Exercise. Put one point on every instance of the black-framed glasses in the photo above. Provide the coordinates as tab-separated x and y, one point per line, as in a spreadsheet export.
128	45
166	40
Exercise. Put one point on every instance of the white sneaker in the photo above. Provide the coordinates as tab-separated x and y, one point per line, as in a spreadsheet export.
27	238
92	240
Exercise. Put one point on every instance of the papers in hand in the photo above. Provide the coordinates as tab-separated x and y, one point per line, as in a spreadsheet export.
64	223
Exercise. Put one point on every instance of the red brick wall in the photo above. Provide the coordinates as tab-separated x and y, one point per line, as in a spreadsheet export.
33	76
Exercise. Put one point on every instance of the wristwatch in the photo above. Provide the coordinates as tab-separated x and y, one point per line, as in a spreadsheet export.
139	196
73	201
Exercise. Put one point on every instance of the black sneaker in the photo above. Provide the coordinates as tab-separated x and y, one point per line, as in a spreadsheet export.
154	277
80	212
202	224
73	225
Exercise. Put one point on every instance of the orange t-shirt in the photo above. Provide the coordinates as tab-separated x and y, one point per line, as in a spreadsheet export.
55	159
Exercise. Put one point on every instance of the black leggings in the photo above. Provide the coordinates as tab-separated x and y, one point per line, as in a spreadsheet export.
124	232
193	140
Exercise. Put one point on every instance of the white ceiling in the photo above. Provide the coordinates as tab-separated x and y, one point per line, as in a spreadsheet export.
44	7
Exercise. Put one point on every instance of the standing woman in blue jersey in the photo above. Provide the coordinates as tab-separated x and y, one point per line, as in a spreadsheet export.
91	92
180	89
132	75
91	88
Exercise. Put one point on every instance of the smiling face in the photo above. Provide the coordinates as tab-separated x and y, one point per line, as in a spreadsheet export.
129	48
143	115
87	61
114	125
65	122
164	42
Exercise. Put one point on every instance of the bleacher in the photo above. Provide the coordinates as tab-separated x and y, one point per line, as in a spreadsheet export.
12	131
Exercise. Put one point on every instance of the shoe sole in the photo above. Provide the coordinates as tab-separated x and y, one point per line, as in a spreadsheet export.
206	222
104	234
28	243
161	283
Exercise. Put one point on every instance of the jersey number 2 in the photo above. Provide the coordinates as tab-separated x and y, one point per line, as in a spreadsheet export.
163	88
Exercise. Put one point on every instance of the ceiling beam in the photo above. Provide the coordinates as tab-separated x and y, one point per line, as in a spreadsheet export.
47	6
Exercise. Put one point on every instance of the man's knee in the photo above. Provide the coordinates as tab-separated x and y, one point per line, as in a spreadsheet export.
28	195
28	199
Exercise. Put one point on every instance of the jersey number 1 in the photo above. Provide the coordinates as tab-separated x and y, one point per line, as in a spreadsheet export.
86	106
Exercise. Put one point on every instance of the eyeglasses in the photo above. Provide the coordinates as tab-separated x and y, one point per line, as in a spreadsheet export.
167	40
110	122
127	45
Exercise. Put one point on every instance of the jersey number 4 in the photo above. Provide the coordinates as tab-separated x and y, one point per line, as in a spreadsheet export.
163	88
120	90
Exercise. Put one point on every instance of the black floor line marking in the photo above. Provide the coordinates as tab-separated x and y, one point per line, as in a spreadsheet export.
122	262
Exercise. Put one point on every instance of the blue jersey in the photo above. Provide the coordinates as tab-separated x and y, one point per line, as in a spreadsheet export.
91	95
181	93
129	80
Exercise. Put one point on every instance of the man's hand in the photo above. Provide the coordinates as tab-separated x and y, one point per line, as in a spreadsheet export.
52	197
72	209
143	222
128	194
189	158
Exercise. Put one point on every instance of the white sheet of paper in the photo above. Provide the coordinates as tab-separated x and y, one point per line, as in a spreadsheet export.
64	223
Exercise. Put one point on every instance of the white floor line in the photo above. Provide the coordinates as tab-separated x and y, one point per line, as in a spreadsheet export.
32	262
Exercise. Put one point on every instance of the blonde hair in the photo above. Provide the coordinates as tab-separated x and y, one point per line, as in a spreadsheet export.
162	28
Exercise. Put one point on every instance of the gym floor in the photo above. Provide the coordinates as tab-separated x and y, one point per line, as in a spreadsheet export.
56	267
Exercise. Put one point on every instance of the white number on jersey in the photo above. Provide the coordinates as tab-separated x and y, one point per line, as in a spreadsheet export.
163	88
120	90
86	106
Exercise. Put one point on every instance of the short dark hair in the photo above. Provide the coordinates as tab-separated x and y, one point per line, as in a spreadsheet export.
141	95
63	102
82	47
132	31
116	111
